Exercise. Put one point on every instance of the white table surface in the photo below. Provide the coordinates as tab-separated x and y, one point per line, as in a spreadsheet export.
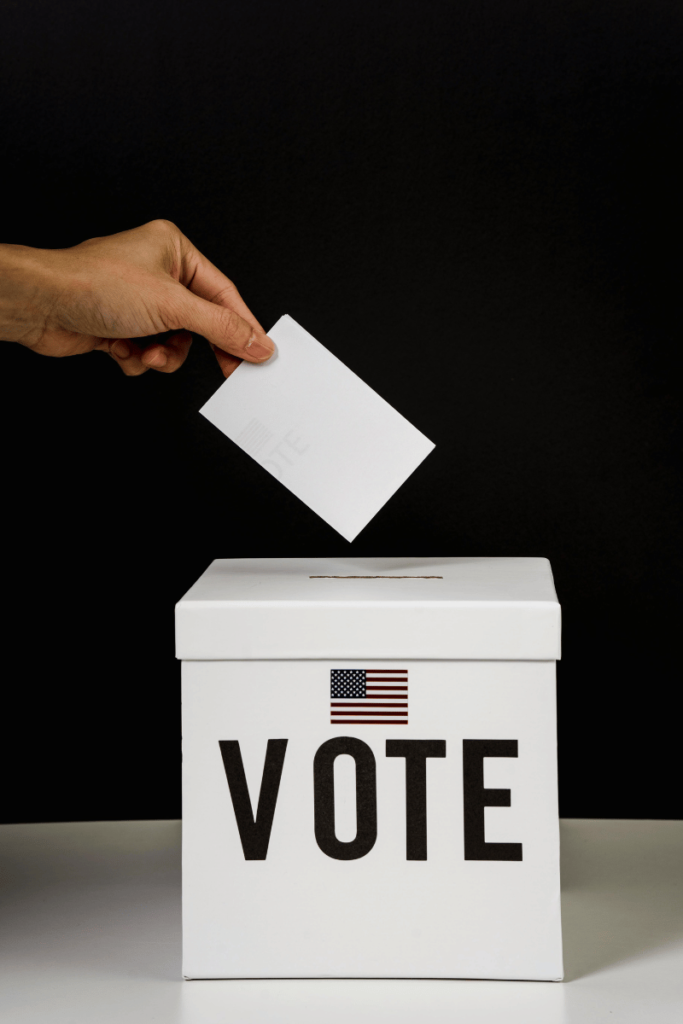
90	934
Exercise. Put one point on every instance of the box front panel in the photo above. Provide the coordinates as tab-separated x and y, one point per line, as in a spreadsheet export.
406	828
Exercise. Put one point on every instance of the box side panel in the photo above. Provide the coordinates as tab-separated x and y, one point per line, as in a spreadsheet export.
470	630
305	912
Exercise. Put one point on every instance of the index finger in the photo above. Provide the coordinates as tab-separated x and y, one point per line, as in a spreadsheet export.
204	279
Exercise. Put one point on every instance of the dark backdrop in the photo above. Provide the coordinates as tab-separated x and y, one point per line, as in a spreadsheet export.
473	204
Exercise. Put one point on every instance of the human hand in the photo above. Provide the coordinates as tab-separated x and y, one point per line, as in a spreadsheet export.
107	292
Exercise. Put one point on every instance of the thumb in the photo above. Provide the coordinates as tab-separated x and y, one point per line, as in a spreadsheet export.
226	329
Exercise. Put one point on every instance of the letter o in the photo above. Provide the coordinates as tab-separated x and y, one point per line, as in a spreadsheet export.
366	798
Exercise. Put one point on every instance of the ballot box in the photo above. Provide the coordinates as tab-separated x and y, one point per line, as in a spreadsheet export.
369	769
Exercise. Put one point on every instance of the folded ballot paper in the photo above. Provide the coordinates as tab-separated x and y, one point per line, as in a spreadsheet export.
319	429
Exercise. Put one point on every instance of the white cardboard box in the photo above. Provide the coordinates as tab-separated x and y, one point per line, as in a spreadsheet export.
403	823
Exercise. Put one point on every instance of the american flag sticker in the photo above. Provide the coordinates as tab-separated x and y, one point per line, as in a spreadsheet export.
369	696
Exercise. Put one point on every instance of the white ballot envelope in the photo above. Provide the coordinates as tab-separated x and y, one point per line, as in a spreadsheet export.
319	429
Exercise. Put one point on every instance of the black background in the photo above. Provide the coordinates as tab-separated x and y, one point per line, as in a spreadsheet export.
473	204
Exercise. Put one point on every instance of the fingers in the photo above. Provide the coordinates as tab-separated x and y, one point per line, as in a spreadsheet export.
227	363
169	357
128	355
208	282
230	343
166	357
226	329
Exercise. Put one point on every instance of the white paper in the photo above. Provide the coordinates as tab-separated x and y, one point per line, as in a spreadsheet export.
319	429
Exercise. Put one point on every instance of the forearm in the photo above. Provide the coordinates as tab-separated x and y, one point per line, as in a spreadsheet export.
27	282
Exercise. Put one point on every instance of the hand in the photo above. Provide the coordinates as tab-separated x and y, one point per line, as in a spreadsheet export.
104	293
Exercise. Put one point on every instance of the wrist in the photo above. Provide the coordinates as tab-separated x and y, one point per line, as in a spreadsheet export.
27	282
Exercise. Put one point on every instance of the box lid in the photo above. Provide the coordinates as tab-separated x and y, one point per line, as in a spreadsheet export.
399	608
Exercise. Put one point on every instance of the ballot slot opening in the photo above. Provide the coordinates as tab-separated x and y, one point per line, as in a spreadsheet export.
375	577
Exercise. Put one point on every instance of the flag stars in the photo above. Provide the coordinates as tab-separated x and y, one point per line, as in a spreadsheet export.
347	682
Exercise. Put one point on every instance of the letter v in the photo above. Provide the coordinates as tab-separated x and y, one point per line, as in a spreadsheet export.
254	831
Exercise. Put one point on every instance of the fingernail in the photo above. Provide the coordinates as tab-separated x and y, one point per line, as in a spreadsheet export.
260	349
121	349
157	358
